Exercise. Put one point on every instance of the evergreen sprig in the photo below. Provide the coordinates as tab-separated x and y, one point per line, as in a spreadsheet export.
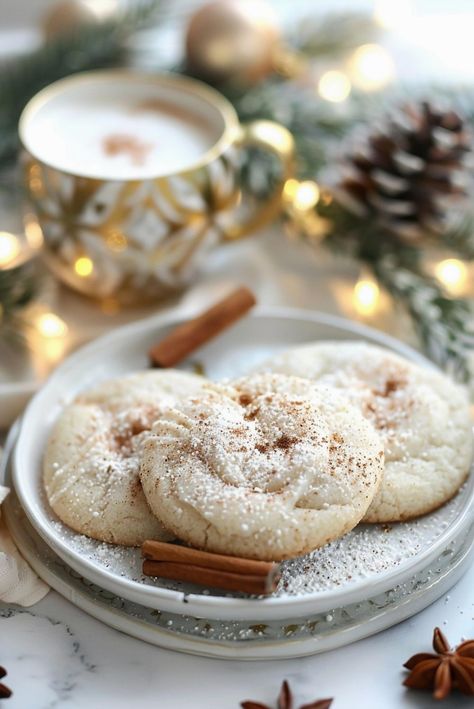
445	325
18	288
333	35
459	237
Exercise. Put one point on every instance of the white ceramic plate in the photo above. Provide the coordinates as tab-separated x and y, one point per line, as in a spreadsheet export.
407	549
242	640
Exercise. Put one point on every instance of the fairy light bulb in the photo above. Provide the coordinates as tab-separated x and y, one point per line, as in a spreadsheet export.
371	67
83	266
306	195
334	86
9	248
453	274
48	338
51	325
366	296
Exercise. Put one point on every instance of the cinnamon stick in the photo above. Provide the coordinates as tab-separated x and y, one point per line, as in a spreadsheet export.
231	573
215	578
161	551
187	337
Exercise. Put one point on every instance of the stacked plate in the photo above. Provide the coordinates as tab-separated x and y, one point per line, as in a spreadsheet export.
372	578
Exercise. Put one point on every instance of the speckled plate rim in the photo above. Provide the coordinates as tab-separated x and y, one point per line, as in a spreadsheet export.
222	607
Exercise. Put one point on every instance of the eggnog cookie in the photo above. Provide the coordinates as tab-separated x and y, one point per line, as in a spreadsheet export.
268	467
91	462
421	415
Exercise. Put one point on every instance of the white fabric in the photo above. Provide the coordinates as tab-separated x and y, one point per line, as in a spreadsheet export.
18	582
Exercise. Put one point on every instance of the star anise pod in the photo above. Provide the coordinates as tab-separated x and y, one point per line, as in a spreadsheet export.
447	669
5	692
285	701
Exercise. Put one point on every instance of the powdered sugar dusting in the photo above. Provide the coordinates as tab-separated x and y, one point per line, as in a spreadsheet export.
365	552
361	555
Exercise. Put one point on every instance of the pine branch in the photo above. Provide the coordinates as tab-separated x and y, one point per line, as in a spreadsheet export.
315	125
444	325
460	237
18	288
90	47
334	34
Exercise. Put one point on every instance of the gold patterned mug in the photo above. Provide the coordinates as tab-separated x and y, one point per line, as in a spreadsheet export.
133	177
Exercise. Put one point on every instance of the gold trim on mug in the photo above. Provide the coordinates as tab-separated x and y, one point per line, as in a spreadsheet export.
212	97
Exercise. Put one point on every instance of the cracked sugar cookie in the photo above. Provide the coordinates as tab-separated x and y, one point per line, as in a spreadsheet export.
268	467
90	468
421	415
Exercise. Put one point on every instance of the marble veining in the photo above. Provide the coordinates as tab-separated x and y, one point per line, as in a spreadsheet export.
53	649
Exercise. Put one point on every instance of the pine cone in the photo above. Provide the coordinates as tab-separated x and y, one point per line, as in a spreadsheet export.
408	174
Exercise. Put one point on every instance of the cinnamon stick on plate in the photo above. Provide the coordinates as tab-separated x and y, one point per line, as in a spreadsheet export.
231	573
187	337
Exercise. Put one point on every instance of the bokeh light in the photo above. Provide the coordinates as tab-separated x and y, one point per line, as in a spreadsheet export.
334	86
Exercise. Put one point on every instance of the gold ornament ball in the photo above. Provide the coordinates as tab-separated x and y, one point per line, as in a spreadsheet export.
232	41
66	16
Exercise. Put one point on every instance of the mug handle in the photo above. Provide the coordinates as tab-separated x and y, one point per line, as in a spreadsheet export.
277	140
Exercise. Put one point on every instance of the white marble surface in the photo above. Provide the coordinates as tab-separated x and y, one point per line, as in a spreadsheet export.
57	656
